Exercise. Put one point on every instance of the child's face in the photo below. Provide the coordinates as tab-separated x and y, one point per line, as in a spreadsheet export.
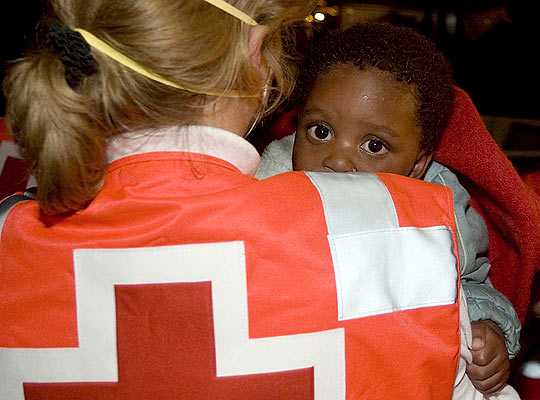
360	121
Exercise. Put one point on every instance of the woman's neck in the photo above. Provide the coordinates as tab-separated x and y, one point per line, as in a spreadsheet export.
235	115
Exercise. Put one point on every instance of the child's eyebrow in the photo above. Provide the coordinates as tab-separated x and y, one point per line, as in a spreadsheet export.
317	111
385	129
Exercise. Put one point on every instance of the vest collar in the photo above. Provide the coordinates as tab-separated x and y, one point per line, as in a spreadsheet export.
205	140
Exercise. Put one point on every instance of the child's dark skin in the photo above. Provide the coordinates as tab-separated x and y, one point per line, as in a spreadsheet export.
366	121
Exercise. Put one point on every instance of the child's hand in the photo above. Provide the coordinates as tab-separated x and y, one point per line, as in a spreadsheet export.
490	366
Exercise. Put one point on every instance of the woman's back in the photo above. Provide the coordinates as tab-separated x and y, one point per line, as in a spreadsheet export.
182	258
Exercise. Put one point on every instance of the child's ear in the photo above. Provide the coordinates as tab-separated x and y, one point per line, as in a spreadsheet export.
421	165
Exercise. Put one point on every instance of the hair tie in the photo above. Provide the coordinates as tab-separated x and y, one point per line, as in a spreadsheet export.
74	46
74	52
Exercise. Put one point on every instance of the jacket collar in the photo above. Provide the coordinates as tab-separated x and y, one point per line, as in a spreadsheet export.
205	140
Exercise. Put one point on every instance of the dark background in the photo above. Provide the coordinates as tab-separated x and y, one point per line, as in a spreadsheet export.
16	31
491	44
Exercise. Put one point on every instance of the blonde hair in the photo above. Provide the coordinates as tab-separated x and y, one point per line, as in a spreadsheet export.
63	131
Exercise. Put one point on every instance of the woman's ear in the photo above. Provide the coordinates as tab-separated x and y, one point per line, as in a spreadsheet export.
257	35
421	165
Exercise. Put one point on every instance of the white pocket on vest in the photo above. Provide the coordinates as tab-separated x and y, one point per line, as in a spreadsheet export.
389	270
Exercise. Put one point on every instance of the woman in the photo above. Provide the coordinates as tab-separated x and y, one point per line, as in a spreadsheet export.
152	265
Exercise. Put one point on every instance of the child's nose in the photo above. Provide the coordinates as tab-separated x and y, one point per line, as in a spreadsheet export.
339	163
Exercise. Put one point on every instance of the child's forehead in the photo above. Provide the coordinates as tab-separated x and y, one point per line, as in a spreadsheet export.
377	77
350	98
350	85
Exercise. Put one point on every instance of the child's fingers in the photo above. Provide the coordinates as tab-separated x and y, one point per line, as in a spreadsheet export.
477	343
482	372
483	357
492	377
487	342
479	332
480	359
490	366
492	384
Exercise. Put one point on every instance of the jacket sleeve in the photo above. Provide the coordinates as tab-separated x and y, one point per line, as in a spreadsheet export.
484	301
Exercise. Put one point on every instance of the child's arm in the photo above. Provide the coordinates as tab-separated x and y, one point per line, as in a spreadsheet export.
484	301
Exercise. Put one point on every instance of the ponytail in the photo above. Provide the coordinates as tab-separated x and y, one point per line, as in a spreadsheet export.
62	108
58	132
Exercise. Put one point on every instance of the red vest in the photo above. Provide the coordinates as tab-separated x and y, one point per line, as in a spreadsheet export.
185	279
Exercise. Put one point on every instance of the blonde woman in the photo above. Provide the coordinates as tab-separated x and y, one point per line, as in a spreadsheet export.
152	265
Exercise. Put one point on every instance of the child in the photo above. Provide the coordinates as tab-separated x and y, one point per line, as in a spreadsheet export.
376	98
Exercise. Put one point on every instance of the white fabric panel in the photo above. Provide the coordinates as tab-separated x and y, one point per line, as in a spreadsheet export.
388	270
380	267
222	264
340	192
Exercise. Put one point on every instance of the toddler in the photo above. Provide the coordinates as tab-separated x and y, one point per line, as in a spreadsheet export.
376	98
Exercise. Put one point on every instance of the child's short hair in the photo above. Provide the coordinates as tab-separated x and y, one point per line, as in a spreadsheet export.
409	56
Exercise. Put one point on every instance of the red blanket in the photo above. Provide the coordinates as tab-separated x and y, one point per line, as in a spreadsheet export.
510	208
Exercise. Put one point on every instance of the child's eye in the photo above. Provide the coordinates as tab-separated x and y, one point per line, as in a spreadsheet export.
374	146
320	132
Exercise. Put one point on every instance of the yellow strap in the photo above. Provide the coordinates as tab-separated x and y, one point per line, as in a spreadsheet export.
111	52
103	47
235	12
